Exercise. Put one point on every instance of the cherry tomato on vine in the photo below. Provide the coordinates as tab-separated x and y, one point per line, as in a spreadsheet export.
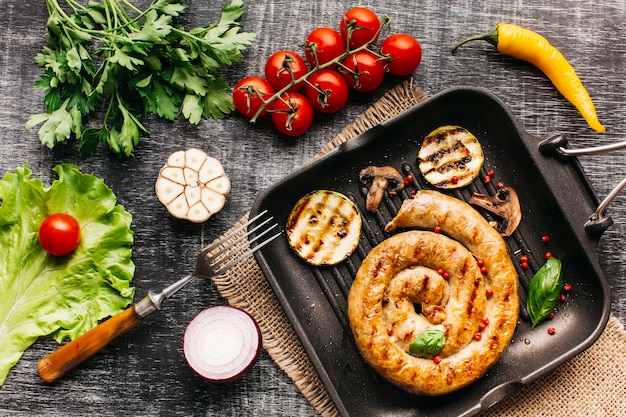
327	91
325	44
292	114
283	67
404	54
362	24
249	94
59	234
363	71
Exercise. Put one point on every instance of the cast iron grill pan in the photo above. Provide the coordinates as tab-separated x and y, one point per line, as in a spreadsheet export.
556	200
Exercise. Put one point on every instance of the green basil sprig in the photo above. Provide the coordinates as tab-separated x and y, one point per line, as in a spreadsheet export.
429	342
544	290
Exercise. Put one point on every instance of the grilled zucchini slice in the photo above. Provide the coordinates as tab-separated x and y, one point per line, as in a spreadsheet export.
324	227
450	157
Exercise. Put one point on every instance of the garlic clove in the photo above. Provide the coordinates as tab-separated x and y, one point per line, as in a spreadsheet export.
168	190
220	185
177	159
210	170
193	195
198	213
174	174
213	201
194	158
178	207
191	176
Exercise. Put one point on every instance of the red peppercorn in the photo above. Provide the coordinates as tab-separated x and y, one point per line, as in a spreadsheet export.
408	180
437	229
483	269
489	292
524	265
480	262
454	179
477	336
551	330
548	255
437	359
567	287
551	316
523	258
482	326
485	320
487	179
563	298
443	273
501	185
545	239
491	173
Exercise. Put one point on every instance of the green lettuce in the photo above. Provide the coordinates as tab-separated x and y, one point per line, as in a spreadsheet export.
59	296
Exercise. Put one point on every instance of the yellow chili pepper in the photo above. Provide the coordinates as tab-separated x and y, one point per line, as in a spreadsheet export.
529	46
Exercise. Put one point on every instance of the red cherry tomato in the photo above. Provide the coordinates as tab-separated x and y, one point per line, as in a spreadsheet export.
327	91
362	24
59	234
283	67
404	54
363	71
292	114
249	94
325	44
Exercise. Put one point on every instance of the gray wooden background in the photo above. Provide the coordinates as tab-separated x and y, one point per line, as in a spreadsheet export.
144	374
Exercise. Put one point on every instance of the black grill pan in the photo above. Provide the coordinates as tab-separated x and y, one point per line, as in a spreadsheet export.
556	198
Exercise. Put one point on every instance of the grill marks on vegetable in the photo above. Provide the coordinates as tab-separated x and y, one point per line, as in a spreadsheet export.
324	227
450	157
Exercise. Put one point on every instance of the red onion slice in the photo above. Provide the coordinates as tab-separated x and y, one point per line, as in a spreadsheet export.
221	343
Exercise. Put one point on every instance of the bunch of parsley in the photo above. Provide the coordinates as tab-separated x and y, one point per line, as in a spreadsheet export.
110	58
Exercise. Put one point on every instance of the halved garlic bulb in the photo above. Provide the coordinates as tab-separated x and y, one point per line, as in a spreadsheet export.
192	185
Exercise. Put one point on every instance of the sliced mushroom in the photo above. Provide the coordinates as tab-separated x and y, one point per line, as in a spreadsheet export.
382	178
504	204
192	185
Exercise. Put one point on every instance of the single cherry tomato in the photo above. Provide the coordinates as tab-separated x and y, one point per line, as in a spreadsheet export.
361	25
404	54
327	91
363	71
283	67
249	95
292	114
59	234
323	45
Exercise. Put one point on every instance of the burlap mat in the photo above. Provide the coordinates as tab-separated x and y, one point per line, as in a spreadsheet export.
591	384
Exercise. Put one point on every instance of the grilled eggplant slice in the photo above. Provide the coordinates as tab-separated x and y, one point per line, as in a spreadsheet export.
450	157
324	227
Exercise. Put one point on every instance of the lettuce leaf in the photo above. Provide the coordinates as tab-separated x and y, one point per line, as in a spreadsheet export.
59	296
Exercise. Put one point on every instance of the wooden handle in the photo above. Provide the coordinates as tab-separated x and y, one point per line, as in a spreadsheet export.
72	354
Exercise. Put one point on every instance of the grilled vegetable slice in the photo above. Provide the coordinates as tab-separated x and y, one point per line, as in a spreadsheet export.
192	185
324	227
450	157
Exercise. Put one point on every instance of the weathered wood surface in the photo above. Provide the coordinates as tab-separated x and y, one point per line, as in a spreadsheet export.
144	373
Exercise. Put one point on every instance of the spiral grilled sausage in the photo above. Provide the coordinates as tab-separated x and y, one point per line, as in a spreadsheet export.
400	273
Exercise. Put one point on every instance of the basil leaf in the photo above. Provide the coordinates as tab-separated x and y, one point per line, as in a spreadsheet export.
544	290
429	342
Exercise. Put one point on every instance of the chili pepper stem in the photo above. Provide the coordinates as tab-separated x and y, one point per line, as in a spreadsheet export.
491	37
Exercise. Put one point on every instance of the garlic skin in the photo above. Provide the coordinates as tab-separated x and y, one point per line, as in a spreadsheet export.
192	185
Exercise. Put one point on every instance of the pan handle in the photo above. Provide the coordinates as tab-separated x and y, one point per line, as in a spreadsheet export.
599	221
